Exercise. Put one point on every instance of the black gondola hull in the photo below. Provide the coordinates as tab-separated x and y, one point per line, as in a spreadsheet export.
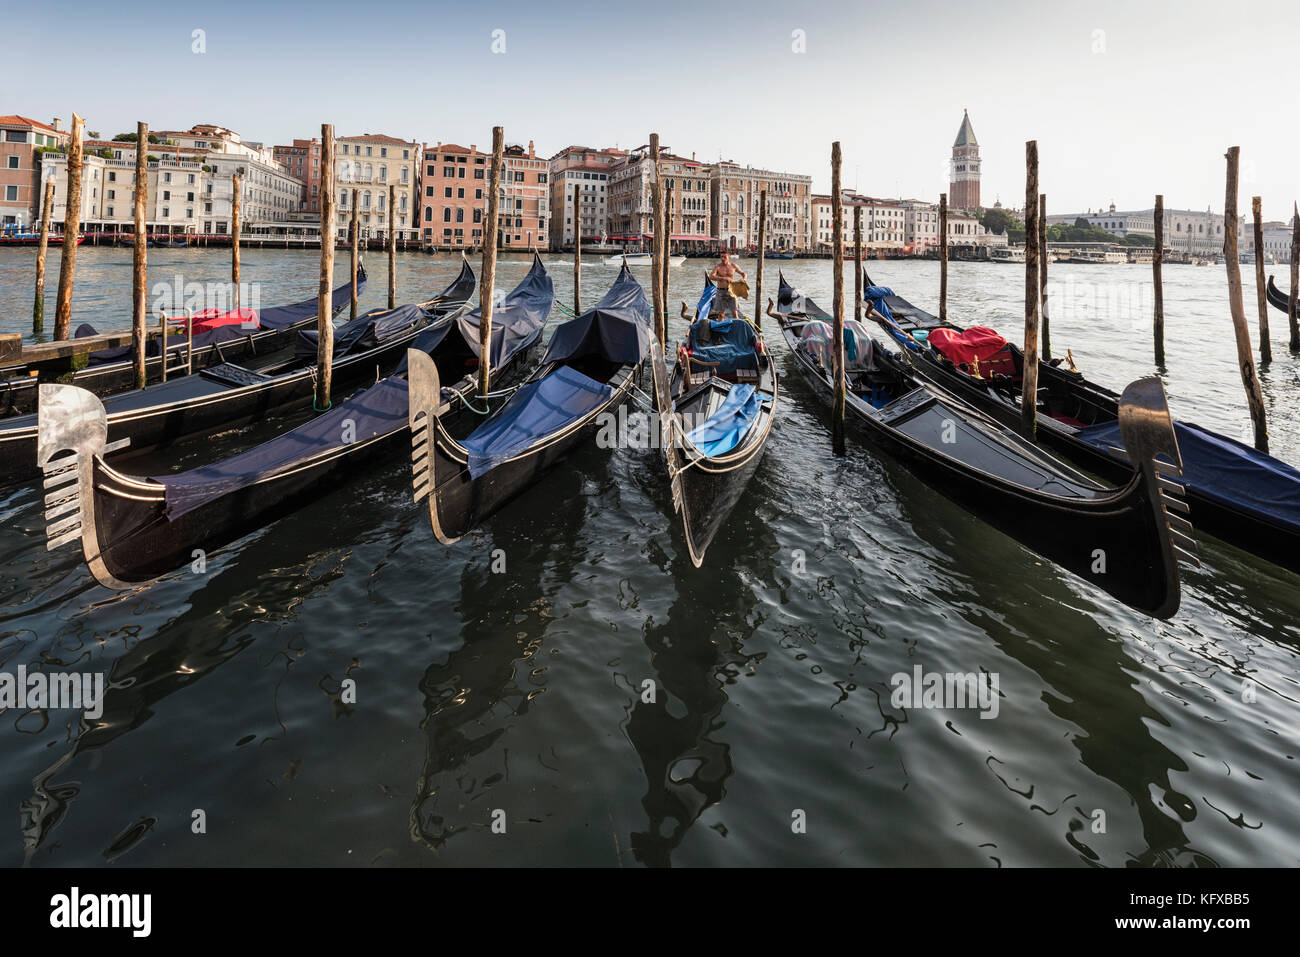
18	392
1117	542
458	502
137	542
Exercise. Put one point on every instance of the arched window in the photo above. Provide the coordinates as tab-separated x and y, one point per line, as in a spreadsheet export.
428	214
365	200
446	214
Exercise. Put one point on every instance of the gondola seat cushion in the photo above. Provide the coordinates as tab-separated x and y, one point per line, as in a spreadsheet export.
209	319
732	345
978	344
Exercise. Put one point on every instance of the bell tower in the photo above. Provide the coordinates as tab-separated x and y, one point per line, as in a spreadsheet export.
964	168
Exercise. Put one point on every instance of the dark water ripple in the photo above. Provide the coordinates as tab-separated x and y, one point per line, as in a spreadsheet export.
523	692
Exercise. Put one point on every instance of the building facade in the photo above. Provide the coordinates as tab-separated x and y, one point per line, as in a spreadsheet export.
586	171
920	226
524	214
21	142
1196	233
964	168
628	197
686	197
369	164
453	186
736	192
301	160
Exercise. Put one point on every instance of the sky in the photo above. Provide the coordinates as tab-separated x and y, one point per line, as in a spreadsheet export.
1125	99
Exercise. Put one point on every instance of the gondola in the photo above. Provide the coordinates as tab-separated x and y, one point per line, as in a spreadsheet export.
228	395
716	411
1123	540
110	371
1278	298
588	369
1244	497
134	528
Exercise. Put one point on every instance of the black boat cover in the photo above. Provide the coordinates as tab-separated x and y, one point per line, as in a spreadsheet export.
1229	472
364	332
515	323
792	302
617	328
276	317
377	411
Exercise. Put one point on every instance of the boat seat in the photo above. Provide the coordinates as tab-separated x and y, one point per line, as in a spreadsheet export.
228	373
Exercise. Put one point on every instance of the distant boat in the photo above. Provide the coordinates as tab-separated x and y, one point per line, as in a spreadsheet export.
639	257
11	236
779	254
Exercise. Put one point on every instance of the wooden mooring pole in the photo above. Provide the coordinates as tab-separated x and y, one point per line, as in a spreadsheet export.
392	246
1261	296
762	252
1157	262
656	202
354	239
1293	314
1046	334
943	257
139	260
577	249
325	294
837	302
237	196
489	278
1029	377
38	303
71	230
1245	359
857	263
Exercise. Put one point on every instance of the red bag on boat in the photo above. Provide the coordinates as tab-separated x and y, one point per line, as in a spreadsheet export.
212	318
963	348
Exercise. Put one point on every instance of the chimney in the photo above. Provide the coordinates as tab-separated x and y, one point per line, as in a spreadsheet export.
692	156
55	124
530	149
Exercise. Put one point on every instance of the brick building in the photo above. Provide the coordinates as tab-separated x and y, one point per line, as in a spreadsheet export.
301	160
453	188
588	170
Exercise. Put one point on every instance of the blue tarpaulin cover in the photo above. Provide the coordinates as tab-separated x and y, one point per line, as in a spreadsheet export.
705	305
1224	470
724	429
537	410
731	345
378	411
617	328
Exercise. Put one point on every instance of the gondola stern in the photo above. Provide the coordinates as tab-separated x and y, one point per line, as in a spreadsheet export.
1148	434
430	466
72	432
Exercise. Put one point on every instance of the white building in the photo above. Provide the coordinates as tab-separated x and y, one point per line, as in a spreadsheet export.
588	172
1194	232
369	164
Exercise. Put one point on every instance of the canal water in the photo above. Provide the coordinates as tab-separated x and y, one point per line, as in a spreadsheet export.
599	701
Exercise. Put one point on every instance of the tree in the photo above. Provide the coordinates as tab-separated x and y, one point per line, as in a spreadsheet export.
1082	223
124	138
997	220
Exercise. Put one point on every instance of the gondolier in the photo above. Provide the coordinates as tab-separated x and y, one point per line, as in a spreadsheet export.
724	273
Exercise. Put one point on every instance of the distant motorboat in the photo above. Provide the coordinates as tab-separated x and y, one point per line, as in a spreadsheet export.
12	236
640	259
